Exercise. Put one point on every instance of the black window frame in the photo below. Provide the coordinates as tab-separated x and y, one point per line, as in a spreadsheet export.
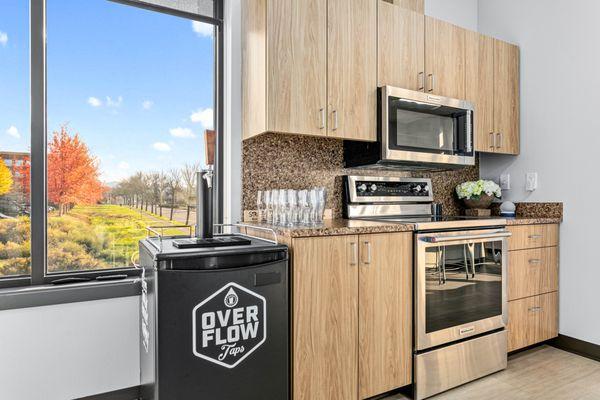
38	116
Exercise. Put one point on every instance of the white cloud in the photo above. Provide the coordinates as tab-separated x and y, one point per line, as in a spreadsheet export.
161	146
147	104
13	131
205	116
182	133
114	103
203	29
3	38
94	102
123	165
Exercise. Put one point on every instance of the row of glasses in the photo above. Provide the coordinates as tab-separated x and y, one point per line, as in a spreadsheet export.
289	207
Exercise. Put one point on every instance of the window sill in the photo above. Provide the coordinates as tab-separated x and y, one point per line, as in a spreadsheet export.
46	295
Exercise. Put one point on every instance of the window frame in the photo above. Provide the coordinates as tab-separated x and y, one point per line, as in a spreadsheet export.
38	115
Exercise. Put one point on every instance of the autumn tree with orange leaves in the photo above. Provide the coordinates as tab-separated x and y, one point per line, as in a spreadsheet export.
73	174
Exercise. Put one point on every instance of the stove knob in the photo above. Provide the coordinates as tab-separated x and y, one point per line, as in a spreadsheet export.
417	188
427	189
373	187
362	187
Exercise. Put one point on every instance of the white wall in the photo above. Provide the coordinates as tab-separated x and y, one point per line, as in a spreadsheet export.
560	135
459	12
69	350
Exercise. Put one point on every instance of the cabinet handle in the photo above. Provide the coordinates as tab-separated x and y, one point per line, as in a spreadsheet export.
493	137
534	237
499	144
535	261
421	82
535	309
323	117
354	250
432	81
335	120
368	246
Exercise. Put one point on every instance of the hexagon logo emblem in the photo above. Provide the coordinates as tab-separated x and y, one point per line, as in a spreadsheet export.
229	325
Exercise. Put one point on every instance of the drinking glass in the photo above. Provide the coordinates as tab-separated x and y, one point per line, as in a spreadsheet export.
275	206
292	214
268	212
282	207
303	208
260	206
321	201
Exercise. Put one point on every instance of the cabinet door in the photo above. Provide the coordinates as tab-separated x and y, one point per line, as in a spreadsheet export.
325	318
385	313
352	69
414	5
506	97
400	47
480	87
297	66
532	272
444	58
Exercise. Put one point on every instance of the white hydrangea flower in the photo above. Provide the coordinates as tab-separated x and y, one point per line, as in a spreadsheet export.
475	189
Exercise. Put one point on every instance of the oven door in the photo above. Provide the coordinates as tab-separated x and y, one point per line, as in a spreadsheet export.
461	282
420	127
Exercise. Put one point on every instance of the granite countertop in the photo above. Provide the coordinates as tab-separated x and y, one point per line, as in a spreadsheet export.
340	226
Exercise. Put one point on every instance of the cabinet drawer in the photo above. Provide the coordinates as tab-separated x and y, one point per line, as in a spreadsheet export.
532	320
532	236
532	272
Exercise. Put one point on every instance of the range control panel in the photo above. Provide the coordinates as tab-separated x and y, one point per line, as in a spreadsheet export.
388	189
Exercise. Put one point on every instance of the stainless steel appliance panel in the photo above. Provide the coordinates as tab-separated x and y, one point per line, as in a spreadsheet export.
445	368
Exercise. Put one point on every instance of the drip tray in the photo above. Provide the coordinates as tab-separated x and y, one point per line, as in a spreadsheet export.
219	241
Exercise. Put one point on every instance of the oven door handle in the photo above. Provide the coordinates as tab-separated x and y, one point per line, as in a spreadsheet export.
442	239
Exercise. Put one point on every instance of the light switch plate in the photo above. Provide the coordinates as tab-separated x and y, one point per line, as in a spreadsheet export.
505	181
531	181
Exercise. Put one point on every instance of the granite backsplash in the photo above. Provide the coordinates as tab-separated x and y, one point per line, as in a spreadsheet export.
271	161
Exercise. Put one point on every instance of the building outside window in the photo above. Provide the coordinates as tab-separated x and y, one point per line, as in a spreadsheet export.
128	95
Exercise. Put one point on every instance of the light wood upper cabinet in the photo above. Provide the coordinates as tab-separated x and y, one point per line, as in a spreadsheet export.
506	97
325	318
310	67
480	88
385	313
445	58
352	69
296	66
413	5
400	50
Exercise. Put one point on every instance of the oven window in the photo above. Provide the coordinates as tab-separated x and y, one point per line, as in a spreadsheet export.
463	284
427	128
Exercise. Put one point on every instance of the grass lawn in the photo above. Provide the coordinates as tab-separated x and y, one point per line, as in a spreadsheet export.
88	237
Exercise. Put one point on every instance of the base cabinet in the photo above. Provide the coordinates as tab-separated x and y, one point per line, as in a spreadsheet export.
532	285
352	315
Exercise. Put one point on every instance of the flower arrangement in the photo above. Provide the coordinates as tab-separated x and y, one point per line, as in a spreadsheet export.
477	189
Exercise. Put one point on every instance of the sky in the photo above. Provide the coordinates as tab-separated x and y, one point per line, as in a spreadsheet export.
136	85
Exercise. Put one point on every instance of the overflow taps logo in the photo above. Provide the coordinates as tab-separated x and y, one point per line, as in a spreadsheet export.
229	325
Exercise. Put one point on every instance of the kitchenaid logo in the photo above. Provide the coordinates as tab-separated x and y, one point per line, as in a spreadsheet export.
229	325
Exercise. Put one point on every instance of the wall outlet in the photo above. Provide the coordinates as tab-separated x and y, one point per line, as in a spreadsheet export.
505	181
531	182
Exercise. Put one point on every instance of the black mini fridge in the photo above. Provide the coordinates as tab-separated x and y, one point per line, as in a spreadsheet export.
214	320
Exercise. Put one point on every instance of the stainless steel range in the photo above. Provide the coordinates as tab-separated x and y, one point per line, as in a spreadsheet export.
460	300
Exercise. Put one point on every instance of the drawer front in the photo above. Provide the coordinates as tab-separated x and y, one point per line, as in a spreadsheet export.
523	320
532	272
532	320
532	236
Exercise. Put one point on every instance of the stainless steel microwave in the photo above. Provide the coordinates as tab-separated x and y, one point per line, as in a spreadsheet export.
417	129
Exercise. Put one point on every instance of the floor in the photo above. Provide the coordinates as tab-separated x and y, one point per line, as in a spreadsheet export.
543	373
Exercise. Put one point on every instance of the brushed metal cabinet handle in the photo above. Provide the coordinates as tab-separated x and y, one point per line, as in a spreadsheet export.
421	81
499	136
323	117
368	255
535	261
534	237
354	250
535	309
335	120
493	137
432	82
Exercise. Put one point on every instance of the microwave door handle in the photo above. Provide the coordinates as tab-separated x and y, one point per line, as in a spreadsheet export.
442	239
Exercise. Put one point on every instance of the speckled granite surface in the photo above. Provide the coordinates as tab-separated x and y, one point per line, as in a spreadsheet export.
338	227
272	161
535	210
532	221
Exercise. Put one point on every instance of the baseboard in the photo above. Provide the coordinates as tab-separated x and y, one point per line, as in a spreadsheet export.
132	393
576	346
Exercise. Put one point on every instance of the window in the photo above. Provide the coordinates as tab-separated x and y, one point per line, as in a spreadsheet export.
126	95
15	140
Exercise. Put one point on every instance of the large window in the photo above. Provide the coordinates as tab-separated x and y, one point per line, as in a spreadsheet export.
128	94
15	140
